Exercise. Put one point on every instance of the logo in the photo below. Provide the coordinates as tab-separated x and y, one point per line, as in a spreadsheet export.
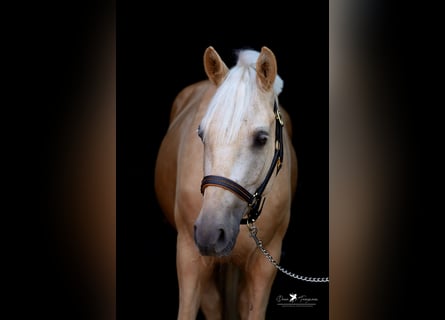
296	300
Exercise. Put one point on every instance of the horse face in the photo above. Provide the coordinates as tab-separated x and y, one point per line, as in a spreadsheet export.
237	132
244	158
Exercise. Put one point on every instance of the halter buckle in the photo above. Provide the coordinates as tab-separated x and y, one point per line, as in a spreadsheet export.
278	116
255	199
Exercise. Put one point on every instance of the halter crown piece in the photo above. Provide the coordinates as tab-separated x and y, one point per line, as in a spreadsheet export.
254	201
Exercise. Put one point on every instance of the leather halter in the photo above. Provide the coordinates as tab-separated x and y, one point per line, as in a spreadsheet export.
256	200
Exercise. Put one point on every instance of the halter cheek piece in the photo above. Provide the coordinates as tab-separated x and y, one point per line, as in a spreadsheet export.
254	201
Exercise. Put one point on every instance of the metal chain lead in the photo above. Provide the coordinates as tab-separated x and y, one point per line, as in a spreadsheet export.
253	231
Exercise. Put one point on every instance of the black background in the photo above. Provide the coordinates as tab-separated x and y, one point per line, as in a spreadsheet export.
159	54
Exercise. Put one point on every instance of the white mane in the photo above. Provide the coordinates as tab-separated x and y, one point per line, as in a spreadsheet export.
228	106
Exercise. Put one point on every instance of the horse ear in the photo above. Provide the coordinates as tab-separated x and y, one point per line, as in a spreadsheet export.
214	67
266	68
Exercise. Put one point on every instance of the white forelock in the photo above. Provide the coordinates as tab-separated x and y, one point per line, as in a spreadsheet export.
249	58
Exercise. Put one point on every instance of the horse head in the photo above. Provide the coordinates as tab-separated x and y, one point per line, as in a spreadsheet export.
238	132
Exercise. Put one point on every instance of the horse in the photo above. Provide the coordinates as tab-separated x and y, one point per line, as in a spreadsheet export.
227	149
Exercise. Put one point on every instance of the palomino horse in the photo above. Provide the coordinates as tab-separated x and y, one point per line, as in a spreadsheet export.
227	148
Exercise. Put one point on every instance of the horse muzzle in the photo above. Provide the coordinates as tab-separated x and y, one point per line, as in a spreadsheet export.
214	238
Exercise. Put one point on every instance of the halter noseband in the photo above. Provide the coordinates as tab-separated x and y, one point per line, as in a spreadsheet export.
254	201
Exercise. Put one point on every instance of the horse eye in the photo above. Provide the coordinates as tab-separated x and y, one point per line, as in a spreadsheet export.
261	139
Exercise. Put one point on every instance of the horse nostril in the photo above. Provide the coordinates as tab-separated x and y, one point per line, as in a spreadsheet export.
195	227
221	236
